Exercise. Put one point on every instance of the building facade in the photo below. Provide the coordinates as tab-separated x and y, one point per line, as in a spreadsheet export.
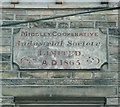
28	86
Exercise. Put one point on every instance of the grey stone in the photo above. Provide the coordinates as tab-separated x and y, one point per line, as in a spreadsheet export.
6	66
7	16
5	56
114	41
6	31
112	101
59	82
62	91
105	24
59	49
82	24
43	24
114	31
98	17
6	41
63	25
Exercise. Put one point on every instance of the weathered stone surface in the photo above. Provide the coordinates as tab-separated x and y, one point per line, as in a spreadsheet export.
114	41
105	75
102	82
83	75
87	17
114	58
6	41
48	24
20	17
112	101
13	24
114	31
59	49
112	17
60	74
4	56
40	12
63	25
27	17
5	49
7	16
16	30
6	66
82	24
105	24
58	82
114	66
99	17
6	31
75	18
11	75
103	30
7	101
114	50
34	74
62	91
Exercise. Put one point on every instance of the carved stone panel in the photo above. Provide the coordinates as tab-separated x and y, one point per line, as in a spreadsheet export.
36	48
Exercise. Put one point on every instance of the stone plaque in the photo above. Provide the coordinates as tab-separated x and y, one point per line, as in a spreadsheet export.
59	48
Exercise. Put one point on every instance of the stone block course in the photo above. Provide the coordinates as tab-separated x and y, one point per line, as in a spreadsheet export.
6	41
4	57
114	58
5	66
114	41
87	17
103	82
39	12
5	49
114	66
7	16
83	75
27	17
58	82
82	24
105	24
112	18
6	31
34	74
63	91
59	74
113	50
99	17
7	74
47	24
63	25
114	31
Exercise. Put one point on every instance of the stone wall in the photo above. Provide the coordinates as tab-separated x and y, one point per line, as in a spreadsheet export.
98	83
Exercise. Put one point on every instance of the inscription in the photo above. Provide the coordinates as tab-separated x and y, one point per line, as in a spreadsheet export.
59	49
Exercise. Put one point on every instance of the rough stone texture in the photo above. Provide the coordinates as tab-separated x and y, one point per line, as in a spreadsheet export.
9	75
6	31
8	16
43	24
114	41
5	41
114	31
37	74
105	24
5	57
81	24
62	91
6	66
5	49
102	82
63	25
